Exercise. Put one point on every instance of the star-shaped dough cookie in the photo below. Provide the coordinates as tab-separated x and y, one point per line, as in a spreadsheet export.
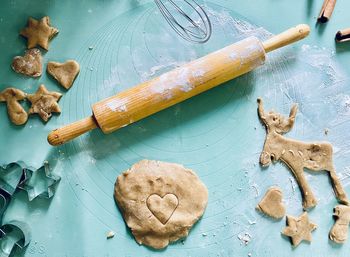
299	229
39	32
44	102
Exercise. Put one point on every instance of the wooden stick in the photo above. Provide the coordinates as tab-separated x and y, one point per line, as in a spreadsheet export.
178	85
343	35
326	11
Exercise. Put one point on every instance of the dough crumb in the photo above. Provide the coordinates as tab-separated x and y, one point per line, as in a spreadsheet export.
110	234
326	131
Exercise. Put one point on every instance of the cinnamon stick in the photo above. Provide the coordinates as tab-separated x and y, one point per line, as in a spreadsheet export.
326	11
343	35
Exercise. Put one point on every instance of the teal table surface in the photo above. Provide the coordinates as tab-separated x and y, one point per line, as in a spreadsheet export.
120	43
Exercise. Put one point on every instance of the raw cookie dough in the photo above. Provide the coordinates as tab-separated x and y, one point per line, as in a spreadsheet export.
339	231
30	64
64	73
297	155
271	204
16	112
160	201
299	229
44	102
39	32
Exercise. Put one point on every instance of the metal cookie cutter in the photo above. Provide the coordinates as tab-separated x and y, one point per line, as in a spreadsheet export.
10	177
5	199
40	182
14	236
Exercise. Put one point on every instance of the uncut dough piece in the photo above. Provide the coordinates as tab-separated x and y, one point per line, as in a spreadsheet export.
160	201
271	204
64	73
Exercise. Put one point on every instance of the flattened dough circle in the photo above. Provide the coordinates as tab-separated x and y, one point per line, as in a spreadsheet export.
160	201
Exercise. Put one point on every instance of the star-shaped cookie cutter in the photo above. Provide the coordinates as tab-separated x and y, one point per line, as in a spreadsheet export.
14	236
39	183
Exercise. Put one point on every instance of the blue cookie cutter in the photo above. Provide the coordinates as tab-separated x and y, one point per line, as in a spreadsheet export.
10	176
40	182
14	237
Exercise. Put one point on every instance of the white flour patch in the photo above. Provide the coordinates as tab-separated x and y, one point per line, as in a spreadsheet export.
198	73
117	105
159	69
245	238
177	79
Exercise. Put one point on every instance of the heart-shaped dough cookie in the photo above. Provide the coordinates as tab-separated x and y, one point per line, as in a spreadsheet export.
30	64
162	207
271	204
64	73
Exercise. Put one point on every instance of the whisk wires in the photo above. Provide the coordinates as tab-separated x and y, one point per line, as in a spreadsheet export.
196	31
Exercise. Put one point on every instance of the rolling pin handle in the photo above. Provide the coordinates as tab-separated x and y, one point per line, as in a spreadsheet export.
71	131
287	37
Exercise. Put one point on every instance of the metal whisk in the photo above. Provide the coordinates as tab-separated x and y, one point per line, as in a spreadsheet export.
195	31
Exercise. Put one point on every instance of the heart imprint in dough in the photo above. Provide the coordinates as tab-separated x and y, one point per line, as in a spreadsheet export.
64	73
162	207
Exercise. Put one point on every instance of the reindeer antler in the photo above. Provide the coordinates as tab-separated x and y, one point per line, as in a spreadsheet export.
288	125
261	109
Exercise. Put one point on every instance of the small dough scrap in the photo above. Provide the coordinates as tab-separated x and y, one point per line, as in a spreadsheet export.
160	201
15	111
64	73
271	204
39	32
44	103
30	64
339	231
299	229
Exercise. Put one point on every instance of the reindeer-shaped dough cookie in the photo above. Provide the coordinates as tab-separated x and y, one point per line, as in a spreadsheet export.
297	155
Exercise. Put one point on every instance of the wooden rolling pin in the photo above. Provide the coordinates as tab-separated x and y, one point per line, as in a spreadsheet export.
177	85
